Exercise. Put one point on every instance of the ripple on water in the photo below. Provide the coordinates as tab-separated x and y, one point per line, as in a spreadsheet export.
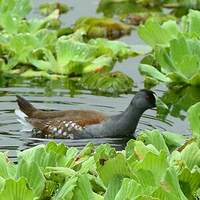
12	139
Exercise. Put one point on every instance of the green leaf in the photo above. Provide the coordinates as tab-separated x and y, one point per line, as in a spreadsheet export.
83	189
189	181
111	83
51	155
66	191
153	72
130	189
162	108
194	160
180	99
48	8
173	140
108	169
170	188
155	34
17	190
58	174
185	62
102	27
7	168
12	14
113	188
71	156
156	164
194	119
113	7
191	23
155	138
33	174
116	49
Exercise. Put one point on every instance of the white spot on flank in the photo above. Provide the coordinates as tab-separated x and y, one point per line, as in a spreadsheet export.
64	134
71	136
54	129
69	128
73	125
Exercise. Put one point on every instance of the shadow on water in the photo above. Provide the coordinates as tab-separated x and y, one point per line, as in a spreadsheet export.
44	97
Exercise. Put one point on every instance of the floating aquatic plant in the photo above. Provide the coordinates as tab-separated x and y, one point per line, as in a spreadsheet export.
176	51
48	8
113	83
179	100
102	27
74	56
32	47
148	8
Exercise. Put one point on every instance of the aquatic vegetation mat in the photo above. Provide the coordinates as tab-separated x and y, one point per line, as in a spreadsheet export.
113	83
140	10
102	27
41	47
48	8
157	165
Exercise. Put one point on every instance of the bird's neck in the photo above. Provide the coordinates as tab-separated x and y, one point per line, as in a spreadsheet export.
127	121
132	112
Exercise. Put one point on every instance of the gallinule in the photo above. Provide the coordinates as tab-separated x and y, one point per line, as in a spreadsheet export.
76	124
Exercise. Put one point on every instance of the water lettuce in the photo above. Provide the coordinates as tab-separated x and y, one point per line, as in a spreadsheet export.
102	27
136	12
12	14
179	63
28	45
180	99
112	83
123	8
155	34
74	56
48	8
176	51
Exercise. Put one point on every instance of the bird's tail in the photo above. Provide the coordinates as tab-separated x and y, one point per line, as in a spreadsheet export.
22	119
26	107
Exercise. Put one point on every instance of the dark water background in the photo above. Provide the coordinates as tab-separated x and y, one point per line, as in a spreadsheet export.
11	139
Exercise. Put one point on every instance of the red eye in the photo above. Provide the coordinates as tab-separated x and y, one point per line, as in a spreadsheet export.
147	98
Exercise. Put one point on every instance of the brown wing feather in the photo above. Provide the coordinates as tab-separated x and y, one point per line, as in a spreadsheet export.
68	114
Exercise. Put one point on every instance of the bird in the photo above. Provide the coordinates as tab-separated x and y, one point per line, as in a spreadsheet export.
82	124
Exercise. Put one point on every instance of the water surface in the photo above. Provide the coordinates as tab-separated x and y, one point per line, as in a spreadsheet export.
59	98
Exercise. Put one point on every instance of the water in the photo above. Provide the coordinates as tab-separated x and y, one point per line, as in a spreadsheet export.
13	140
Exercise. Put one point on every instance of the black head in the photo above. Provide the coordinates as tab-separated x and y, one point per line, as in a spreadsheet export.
144	99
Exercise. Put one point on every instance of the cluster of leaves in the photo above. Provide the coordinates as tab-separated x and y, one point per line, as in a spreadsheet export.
102	27
48	8
74	56
133	12
176	49
179	100
137	11
155	166
113	83
32	43
39	48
